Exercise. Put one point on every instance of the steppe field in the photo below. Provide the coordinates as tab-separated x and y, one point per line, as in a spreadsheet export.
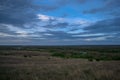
59	62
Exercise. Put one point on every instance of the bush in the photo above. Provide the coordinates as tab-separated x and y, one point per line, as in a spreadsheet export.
59	55
97	59
25	55
90	59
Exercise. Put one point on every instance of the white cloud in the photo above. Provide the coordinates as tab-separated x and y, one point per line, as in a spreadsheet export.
76	31
5	35
44	17
87	35
21	32
48	34
96	39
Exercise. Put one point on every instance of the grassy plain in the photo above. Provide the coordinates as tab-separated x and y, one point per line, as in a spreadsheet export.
60	63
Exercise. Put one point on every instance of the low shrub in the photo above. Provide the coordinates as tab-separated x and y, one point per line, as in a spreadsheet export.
59	55
90	59
25	56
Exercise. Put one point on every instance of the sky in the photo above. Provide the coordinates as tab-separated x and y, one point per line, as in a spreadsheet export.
59	22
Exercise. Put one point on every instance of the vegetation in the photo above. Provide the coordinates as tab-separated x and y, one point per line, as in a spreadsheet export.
90	54
59	63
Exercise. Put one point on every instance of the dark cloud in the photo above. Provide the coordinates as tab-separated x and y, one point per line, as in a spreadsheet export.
111	5
57	25
16	19
69	1
59	35
4	29
16	12
62	24
19	12
15	4
105	26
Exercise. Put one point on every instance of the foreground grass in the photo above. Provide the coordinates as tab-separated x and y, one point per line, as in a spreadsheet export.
90	71
59	63
41	66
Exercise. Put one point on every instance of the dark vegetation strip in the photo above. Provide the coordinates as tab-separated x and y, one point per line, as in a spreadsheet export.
88	52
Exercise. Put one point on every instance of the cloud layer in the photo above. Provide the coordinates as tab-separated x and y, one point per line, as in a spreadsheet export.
59	22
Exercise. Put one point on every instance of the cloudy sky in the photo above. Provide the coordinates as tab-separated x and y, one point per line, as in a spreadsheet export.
59	22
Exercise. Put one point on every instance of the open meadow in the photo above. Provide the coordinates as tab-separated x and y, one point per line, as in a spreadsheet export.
60	63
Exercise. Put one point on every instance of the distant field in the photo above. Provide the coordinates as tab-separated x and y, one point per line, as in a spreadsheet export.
59	62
